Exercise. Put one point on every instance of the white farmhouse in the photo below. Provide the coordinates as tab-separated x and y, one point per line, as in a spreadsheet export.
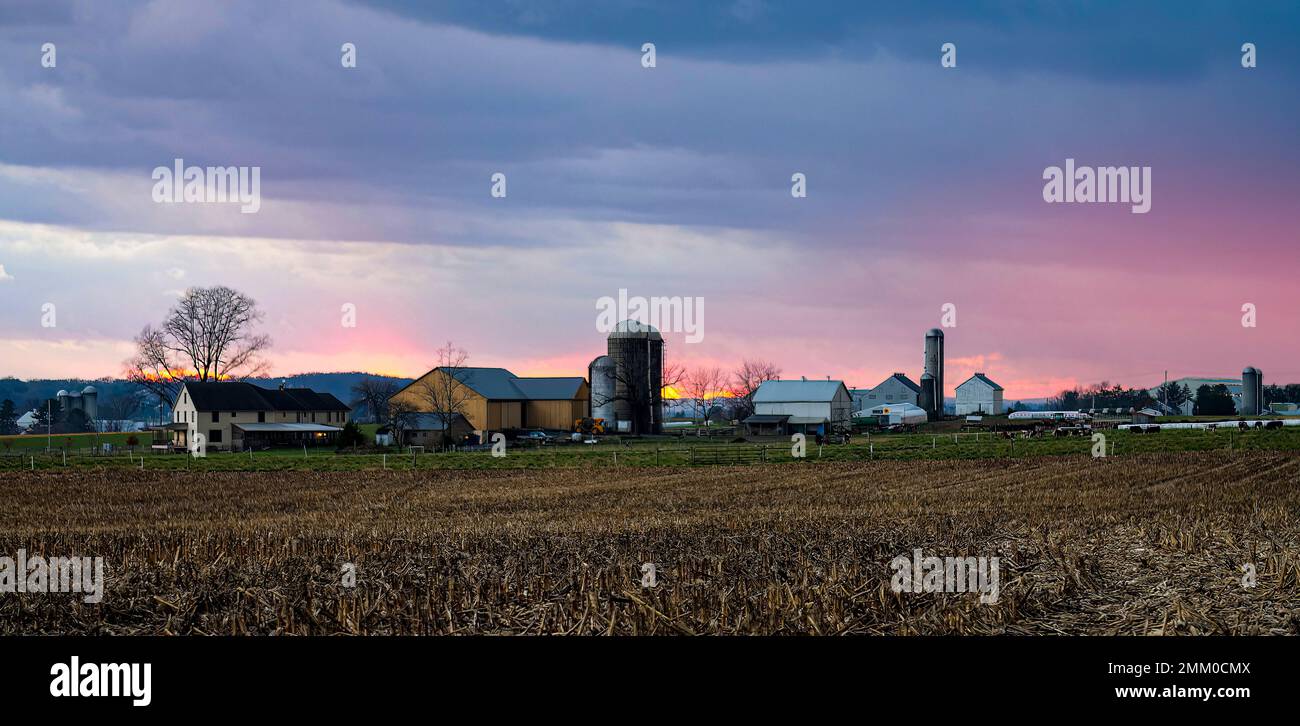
809	407
978	394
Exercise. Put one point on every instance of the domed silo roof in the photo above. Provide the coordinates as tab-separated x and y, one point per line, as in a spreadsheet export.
635	329
61	393
88	389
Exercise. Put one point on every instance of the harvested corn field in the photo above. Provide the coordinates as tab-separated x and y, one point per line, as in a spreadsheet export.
1177	544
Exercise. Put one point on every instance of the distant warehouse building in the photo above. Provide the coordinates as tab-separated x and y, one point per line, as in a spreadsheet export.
979	394
1194	384
807	407
496	399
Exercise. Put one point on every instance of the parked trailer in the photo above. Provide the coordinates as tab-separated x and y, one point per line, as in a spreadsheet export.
892	415
1048	416
1211	425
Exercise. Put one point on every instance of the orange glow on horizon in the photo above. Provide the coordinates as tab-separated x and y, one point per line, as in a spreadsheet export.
180	374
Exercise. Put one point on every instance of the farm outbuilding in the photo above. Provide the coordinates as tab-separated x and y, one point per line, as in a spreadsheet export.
1146	415
897	388
496	399
897	414
426	429
809	406
979	394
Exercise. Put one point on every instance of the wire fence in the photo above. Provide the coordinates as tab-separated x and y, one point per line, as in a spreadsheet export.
616	454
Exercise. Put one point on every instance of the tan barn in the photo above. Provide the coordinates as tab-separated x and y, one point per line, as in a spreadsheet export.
498	399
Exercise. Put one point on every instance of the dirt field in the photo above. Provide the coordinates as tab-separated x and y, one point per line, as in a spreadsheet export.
1149	544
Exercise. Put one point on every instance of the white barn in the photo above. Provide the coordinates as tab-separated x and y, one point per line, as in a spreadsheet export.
979	394
897	388
805	406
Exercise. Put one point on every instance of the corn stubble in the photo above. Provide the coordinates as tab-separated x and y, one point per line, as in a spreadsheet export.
1141	545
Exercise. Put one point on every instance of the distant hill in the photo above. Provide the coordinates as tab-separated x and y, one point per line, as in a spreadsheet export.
339	384
28	394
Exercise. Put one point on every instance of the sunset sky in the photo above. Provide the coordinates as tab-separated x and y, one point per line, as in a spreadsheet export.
924	183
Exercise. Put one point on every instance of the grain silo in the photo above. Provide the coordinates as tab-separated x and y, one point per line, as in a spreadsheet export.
1252	391
934	367
637	350
1259	387
925	399
603	379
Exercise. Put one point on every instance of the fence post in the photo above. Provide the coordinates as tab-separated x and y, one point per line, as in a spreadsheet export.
692	456
615	457
656	456
763	449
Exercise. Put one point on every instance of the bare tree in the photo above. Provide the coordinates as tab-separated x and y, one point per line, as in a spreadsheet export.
207	336
117	409
373	394
401	417
673	376
745	381
703	384
444	389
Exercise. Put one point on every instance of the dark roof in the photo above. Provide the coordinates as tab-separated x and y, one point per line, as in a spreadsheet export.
499	384
431	422
549	389
762	418
985	378
226	396
243	396
315	400
903	379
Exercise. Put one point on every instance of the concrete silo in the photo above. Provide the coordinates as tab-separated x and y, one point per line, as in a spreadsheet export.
90	402
934	368
925	399
604	380
637	350
1252	391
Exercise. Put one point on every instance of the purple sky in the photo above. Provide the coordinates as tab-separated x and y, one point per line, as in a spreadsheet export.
924	183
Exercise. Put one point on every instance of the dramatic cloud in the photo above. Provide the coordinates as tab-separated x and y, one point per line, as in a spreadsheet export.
924	183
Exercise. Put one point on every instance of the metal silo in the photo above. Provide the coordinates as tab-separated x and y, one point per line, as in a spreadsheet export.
90	402
1251	390
1259	387
601	373
637	350
934	367
926	398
